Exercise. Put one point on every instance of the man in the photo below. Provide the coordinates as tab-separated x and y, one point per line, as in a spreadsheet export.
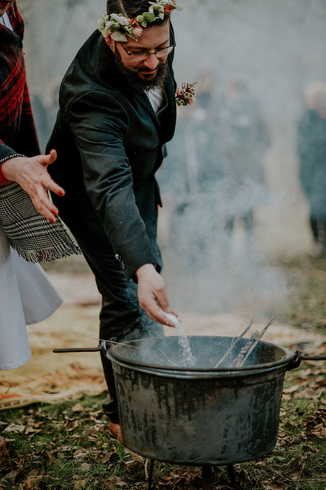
117	110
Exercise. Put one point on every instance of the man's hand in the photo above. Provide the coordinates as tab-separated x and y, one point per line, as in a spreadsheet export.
32	175
152	296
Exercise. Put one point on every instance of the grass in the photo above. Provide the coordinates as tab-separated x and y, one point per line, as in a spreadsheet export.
68	446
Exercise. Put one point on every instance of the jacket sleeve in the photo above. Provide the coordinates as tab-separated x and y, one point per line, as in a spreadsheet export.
5	154
99	124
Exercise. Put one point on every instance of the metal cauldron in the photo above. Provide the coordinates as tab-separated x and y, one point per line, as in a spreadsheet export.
199	415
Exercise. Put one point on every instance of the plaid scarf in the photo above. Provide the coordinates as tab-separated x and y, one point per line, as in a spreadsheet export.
32	235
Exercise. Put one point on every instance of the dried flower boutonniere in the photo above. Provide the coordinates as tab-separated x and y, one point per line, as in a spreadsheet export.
186	94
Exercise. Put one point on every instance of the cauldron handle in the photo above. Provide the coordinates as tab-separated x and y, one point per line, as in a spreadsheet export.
299	356
78	349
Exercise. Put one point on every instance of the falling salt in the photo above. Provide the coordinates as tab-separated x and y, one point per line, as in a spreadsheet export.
184	341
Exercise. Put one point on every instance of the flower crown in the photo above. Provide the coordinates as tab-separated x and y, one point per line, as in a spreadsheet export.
119	27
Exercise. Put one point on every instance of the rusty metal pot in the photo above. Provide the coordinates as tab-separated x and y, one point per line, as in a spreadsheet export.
199	415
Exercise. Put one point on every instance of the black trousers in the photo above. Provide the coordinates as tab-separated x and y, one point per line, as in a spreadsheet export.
121	318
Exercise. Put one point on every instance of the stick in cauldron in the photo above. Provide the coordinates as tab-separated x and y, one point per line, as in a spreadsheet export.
234	343
249	347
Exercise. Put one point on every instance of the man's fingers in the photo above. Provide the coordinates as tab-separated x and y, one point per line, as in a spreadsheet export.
154	309
155	312
152	294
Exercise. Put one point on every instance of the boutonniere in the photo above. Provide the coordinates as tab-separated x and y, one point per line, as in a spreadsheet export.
186	94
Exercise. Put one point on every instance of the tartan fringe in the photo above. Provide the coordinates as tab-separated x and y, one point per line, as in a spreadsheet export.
58	251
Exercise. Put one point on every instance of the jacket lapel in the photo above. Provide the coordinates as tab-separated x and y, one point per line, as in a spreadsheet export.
168	104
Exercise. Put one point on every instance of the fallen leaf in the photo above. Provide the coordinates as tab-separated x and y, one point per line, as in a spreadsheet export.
319	431
71	425
92	438
33	480
110	485
311	393
80	454
297	474
274	485
12	475
305	372
119	482
292	389
4	453
90	432
15	428
136	457
110	456
31	430
78	408
48	457
296	462
80	483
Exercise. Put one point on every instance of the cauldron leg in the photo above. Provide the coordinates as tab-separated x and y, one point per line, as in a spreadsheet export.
231	474
207	477
150	477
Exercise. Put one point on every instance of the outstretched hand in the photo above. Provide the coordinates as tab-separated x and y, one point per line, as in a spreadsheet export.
152	295
32	175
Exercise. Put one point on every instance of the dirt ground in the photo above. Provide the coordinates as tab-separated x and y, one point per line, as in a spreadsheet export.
49	377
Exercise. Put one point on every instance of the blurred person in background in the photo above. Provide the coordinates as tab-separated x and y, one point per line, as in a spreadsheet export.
244	140
312	154
189	179
26	295
117	110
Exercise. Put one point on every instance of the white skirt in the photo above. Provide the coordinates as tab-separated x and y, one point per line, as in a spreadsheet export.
26	297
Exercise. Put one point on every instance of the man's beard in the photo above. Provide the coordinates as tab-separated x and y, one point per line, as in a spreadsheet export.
138	84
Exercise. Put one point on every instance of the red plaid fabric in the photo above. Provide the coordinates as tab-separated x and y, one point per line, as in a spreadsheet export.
17	129
16	20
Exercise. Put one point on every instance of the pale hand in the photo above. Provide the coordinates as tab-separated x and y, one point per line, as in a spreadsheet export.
152	296
32	175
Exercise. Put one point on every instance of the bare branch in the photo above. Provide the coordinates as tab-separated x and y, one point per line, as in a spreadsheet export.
234	343
249	347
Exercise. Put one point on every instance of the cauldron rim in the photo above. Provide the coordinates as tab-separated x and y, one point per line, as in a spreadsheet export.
114	356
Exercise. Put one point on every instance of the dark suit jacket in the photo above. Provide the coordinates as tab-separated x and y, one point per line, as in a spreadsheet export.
109	143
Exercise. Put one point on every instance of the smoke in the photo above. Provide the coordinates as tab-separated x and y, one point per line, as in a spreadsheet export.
212	184
233	199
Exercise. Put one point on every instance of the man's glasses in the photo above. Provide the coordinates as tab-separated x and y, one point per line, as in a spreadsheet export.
143	55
